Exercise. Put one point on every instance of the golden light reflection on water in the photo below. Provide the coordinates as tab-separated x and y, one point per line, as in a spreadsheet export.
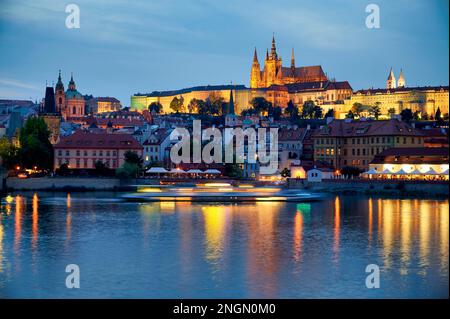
35	220
370	208
443	235
425	215
298	228
337	228
19	202
1	247
68	219
215	218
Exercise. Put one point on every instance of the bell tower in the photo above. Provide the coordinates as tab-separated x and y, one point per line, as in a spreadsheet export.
60	95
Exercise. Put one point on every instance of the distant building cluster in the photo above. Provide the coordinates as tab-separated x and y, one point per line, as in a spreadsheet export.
86	130
280	85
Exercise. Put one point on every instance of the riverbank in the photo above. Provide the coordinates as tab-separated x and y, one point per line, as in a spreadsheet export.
379	187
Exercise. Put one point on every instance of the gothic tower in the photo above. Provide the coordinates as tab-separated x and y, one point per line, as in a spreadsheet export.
272	67
401	80
255	76
60	95
391	83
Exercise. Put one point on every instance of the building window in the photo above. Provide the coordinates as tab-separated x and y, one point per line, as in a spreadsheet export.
85	153
114	153
59	153
78	152
67	153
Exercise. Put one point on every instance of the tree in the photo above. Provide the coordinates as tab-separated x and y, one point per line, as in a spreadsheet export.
215	103
330	113
311	111
194	105
177	104
63	170
155	107
406	115
416	115
375	111
291	110
248	112
438	115
350	171
233	170
357	109
276	113
285	172
128	170
101	169
134	158
260	105
350	115
35	147
391	111
8	153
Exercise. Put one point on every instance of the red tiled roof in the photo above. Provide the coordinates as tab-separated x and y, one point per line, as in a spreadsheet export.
413	155
291	134
345	128
82	139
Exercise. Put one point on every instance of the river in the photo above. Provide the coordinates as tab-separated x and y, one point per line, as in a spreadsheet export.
216	250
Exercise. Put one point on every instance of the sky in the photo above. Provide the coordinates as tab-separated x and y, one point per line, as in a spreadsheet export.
125	47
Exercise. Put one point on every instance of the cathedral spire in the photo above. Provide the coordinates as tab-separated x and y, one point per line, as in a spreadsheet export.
293	59
273	51
59	84
401	79
72	83
267	54
255	57
391	83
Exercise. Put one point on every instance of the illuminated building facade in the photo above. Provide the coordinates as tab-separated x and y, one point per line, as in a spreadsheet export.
410	163
82	149
355	143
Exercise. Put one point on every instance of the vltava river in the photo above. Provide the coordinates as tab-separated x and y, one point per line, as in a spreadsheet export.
214	250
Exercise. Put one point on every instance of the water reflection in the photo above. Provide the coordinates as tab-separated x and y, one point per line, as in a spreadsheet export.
261	250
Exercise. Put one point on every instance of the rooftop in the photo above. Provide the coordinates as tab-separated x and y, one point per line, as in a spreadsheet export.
88	140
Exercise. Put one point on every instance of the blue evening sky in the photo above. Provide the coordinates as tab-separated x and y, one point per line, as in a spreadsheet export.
124	47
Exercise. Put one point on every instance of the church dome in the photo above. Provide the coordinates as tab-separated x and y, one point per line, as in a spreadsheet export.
73	94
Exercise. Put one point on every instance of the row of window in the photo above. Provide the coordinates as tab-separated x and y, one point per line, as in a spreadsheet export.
355	151
372	140
86	153
85	162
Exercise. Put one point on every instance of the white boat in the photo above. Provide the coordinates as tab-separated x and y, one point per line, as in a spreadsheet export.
223	192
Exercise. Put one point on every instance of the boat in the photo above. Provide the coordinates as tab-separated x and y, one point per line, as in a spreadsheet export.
218	192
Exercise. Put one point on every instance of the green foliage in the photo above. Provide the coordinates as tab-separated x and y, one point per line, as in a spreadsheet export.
195	105
127	171
101	169
330	113
311	111
291	110
155	107
350	115
177	104
260	105
375	111
407	115
8	153
35	147
391	111
63	170
350	171
248	112
233	170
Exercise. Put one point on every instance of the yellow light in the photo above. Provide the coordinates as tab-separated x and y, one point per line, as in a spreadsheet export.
9	199
216	184
245	186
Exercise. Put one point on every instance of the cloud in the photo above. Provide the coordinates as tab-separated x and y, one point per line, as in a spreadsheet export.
18	84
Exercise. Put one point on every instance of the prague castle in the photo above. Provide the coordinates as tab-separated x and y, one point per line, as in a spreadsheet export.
279	85
274	73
